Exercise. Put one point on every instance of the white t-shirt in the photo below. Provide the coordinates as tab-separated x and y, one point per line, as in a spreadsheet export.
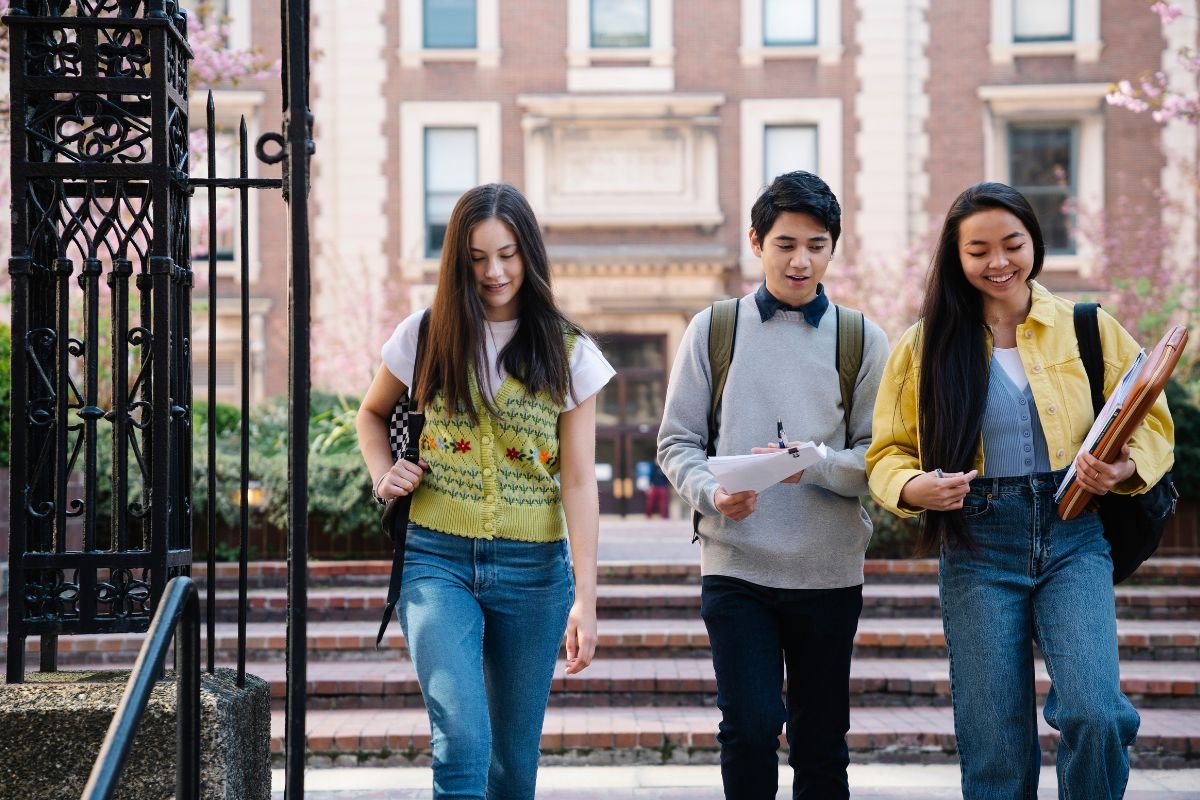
1010	359
589	369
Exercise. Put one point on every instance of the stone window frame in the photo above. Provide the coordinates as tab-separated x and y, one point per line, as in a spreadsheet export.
827	51
637	69
1079	104
825	113
414	53
1085	45
415	117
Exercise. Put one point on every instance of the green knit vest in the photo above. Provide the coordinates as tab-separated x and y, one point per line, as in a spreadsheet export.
497	478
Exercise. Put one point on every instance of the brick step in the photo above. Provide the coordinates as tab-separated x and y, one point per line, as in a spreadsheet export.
655	735
689	681
660	601
267	574
618	638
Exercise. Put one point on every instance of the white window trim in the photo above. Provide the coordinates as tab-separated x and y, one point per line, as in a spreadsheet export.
415	117
650	69
240	37
413	52
231	106
828	49
1081	104
1085	24
823	112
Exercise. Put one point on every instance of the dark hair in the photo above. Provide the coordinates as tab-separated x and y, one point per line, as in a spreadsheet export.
800	192
954	367
537	353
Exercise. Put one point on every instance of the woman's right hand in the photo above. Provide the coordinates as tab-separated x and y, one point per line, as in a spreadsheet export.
403	478
937	493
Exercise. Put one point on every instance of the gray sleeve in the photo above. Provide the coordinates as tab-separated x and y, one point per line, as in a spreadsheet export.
844	471
683	435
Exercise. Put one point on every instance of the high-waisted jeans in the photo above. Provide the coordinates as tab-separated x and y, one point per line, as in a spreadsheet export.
484	620
1033	578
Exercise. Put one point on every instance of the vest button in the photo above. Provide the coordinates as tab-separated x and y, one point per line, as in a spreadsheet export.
486	439
487	526
491	498
487	472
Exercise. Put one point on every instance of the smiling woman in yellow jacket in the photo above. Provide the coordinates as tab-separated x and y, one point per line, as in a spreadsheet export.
984	404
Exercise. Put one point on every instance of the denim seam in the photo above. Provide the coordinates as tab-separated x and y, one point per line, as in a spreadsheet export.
1064	750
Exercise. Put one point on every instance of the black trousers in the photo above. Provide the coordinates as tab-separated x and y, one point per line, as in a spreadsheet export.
757	633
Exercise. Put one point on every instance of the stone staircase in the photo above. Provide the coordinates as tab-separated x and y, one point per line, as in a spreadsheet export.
649	695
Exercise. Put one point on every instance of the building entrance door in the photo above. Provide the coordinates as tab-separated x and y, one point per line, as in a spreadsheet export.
628	414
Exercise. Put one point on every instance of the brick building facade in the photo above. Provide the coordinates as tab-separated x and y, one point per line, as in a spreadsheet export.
642	130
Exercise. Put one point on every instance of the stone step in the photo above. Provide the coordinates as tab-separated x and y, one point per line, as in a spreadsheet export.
656	735
650	601
1163	640
267	574
690	681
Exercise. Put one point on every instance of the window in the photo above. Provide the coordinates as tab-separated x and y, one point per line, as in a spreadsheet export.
449	30
620	23
1045	28
1041	20
449	23
782	135
1047	140
451	167
789	22
445	148
775	29
787	148
226	222
1042	165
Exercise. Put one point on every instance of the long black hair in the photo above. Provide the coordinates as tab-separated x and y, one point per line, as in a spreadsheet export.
537	353
953	345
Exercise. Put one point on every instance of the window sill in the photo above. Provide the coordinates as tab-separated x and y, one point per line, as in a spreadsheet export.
412	59
662	57
826	55
1083	52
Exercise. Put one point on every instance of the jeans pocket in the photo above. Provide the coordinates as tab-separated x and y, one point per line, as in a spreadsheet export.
975	506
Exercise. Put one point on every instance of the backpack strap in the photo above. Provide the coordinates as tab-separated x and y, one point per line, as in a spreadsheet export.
1087	333
851	336
722	332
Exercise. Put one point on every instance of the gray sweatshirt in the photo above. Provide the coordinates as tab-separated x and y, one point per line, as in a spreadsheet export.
810	535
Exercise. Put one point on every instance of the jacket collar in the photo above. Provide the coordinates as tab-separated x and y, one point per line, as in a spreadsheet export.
813	310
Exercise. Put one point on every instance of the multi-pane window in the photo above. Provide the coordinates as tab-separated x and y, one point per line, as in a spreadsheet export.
226	223
1043	165
620	23
789	23
449	24
787	148
451	167
1042	20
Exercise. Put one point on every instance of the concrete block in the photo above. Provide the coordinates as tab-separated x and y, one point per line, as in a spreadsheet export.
52	726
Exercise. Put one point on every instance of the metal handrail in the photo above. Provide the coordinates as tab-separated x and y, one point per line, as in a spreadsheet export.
178	615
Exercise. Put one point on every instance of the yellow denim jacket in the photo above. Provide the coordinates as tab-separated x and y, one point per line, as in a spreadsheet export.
1050	355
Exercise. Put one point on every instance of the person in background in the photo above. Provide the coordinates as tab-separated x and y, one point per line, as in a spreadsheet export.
984	405
658	493
505	483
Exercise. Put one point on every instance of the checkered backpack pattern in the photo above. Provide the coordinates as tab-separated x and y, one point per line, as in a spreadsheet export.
398	426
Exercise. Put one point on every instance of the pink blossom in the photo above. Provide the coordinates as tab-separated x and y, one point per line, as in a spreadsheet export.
1166	12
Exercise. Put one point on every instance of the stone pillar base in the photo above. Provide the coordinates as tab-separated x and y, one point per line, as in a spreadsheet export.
52	726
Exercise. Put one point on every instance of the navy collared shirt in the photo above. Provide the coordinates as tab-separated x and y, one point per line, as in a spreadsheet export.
813	310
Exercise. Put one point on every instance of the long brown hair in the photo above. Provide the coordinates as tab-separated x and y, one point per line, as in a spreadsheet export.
954	367
537	354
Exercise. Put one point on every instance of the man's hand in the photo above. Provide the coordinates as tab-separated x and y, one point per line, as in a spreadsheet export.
935	492
773	446
736	506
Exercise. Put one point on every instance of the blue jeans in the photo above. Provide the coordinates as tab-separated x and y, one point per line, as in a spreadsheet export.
484	620
755	632
1033	578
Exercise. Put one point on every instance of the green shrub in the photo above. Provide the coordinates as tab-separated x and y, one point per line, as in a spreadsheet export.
892	537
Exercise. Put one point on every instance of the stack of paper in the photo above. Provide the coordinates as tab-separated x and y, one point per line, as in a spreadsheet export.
757	471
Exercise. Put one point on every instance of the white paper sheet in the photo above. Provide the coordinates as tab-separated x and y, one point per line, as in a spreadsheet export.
759	471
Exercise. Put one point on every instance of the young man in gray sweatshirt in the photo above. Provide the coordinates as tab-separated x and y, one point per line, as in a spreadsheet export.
783	568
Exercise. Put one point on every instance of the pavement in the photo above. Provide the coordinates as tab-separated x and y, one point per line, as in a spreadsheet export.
875	781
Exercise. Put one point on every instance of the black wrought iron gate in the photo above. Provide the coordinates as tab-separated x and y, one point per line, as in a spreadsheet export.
102	378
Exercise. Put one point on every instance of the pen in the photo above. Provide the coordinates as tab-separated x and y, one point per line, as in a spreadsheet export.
939	472
779	430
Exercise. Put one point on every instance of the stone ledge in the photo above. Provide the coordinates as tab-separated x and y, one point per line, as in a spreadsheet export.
51	728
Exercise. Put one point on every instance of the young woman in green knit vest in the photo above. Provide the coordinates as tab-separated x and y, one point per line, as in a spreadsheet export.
507	470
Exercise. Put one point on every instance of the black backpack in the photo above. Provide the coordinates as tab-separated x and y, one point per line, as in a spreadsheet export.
1133	524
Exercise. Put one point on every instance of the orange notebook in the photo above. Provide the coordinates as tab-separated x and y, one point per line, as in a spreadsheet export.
1122	413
